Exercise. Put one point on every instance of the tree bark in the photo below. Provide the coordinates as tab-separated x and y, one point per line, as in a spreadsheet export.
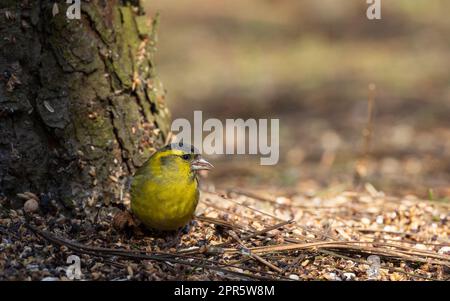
80	103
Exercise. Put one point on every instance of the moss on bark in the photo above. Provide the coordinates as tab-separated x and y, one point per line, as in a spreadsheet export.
81	105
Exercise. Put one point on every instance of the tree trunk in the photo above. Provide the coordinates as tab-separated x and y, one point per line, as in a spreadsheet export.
80	104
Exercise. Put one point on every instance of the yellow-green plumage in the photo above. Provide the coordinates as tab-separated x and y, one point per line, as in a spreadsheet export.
164	191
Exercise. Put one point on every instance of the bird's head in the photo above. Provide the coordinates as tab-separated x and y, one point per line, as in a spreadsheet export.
181	157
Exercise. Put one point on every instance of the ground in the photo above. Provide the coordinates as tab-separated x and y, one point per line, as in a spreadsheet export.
241	235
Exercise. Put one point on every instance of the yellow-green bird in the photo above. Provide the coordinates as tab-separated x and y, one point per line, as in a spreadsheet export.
164	191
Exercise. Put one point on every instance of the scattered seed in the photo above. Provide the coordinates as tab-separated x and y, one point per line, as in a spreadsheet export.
31	206
48	107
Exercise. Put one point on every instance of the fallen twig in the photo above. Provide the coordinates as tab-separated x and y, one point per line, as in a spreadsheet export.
136	255
255	256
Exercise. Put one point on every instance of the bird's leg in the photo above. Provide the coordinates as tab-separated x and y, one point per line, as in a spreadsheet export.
172	240
187	228
175	239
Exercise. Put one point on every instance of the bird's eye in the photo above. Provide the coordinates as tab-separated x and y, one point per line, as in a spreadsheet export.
186	157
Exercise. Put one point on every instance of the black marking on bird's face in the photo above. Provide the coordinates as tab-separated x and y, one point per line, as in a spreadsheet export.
184	147
186	157
170	160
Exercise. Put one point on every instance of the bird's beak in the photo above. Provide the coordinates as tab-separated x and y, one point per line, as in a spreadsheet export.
201	164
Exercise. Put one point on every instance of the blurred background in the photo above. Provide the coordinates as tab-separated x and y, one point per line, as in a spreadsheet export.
310	63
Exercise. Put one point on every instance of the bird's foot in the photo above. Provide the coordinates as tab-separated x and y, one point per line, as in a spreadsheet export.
187	228
172	241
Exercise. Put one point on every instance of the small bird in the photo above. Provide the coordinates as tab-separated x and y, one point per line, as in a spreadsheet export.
164	190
